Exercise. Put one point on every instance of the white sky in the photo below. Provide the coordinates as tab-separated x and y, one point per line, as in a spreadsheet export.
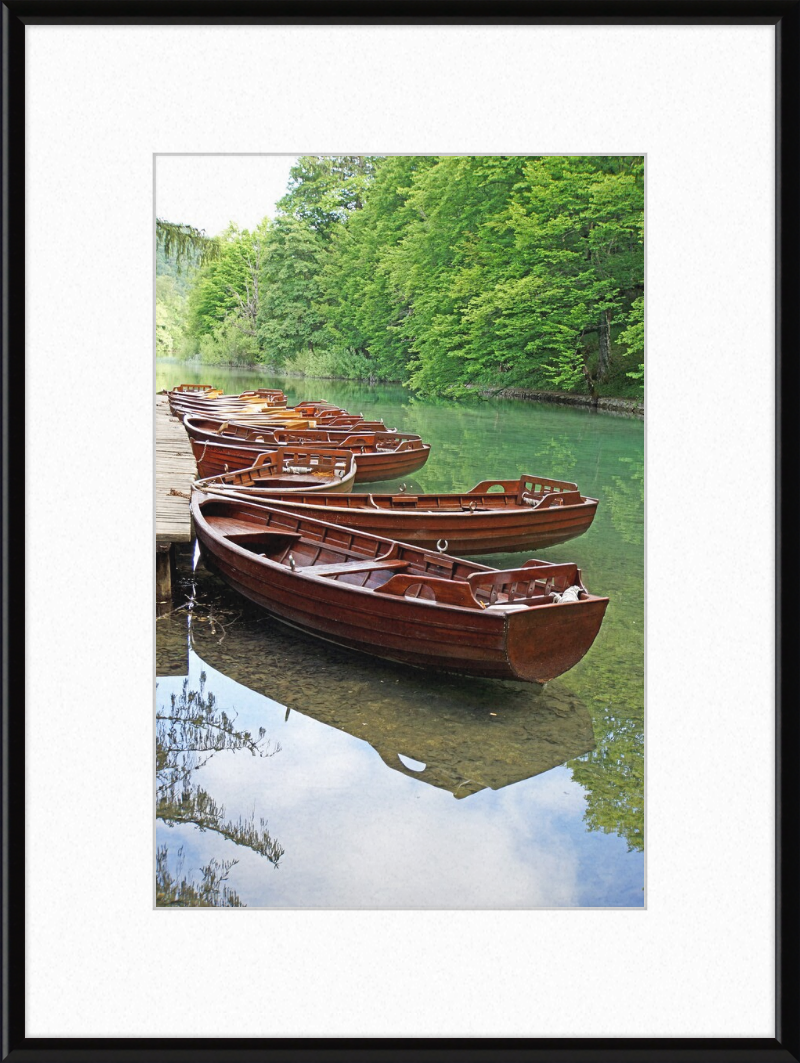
209	191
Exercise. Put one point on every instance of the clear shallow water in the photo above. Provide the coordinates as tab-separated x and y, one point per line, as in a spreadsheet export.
393	787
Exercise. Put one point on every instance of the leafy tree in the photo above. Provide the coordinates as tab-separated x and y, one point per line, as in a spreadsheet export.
289	320
365	308
228	287
184	243
322	192
633	336
170	318
550	270
324	189
447	273
438	265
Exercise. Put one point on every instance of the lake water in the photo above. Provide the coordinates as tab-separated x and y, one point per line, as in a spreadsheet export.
363	784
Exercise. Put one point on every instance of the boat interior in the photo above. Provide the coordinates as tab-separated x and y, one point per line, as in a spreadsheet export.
385	566
285	468
473	501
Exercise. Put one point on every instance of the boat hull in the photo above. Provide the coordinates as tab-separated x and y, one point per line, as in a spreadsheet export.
488	532
289	471
533	645
215	458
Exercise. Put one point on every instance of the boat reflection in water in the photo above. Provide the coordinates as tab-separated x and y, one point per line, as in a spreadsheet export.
456	733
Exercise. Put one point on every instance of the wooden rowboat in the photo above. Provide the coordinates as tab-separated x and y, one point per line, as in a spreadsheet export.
379	455
269	398
264	394
496	516
205	427
288	469
400	602
253	408
194	389
251	432
179	406
208	391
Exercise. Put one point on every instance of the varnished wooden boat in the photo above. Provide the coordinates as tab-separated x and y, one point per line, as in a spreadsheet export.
203	427
379	455
226	407
194	389
208	391
288	469
323	420
398	601
262	399
496	516
258	414
180	406
184	393
261	431
275	395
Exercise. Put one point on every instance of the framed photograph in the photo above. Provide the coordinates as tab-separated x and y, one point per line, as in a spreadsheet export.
350	226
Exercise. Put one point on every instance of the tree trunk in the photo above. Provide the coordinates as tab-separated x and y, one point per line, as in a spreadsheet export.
587	375
604	346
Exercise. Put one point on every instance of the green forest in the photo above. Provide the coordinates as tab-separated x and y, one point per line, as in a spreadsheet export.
449	274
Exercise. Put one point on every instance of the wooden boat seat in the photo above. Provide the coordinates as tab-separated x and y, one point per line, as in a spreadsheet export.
245	533
342	567
446	591
262	535
530	573
231	525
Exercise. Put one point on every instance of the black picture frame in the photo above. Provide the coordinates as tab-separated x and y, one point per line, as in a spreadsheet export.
16	14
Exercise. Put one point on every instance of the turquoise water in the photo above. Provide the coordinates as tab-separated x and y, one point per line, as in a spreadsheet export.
392	787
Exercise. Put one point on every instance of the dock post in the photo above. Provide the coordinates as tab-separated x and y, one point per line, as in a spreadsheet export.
165	563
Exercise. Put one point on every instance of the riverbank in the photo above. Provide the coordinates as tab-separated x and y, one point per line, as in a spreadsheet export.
628	407
625	407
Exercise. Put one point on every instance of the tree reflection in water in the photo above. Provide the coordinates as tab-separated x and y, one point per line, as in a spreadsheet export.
627	502
188	733
176	891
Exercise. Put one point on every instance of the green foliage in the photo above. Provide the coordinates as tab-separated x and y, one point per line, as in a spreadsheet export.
227	288
289	320
170	318
181	274
335	365
541	266
446	273
227	344
184	244
324	189
294	324
364	306
491	271
633	337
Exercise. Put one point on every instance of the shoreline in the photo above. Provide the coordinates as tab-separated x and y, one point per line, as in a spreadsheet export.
605	403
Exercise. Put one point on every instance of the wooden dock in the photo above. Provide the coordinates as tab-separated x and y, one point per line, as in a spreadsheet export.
175	471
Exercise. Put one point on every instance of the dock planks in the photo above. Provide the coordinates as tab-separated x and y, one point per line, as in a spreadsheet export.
175	469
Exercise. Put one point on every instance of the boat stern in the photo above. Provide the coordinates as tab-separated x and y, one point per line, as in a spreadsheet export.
545	642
